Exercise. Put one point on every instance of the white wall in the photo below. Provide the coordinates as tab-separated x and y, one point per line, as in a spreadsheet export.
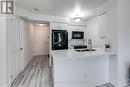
112	32
124	41
28	42
3	64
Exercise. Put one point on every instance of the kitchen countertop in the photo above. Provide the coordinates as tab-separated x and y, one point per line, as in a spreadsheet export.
72	54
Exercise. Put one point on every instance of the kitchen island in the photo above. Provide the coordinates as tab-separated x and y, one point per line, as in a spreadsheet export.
81	69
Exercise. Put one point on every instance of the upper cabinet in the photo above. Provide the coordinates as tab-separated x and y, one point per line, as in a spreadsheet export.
59	23
102	25
103	22
59	26
77	28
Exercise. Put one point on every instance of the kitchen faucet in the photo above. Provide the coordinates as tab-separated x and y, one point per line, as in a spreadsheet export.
90	44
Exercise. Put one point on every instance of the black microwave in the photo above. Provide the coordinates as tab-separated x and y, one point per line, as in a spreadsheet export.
77	35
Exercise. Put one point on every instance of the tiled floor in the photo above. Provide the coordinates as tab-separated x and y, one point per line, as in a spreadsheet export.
36	74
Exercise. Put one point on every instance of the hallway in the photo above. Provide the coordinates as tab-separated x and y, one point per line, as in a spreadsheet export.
36	74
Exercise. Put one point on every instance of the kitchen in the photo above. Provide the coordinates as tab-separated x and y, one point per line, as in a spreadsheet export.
90	64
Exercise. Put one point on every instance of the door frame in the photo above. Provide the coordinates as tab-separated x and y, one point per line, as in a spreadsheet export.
35	26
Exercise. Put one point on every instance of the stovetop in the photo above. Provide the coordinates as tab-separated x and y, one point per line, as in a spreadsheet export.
83	50
79	46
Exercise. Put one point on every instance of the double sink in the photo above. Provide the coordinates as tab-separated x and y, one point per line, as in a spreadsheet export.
82	48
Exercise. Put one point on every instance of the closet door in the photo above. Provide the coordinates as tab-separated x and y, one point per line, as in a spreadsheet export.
14	47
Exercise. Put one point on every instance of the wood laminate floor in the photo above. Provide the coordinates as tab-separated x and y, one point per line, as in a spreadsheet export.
36	74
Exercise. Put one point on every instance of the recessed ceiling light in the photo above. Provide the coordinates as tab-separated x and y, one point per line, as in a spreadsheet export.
40	24
36	9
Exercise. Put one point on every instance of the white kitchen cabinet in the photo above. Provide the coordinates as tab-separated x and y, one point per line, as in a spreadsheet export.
77	28
59	26
102	25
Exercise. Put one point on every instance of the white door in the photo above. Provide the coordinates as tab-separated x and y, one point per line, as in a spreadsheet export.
14	48
41	40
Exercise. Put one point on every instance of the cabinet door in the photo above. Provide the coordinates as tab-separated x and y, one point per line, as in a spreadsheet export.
78	28
102	26
59	26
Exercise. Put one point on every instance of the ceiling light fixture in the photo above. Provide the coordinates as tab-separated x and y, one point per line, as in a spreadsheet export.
77	19
40	24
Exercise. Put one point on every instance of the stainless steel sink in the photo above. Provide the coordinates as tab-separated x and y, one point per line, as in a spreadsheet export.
83	50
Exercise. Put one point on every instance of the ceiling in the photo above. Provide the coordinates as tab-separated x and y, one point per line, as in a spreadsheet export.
65	8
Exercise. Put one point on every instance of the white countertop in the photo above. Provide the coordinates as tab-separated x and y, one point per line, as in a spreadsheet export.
72	54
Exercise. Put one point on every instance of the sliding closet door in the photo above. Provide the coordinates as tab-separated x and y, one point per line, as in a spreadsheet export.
14	47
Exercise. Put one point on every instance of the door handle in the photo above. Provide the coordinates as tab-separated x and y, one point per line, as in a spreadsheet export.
21	48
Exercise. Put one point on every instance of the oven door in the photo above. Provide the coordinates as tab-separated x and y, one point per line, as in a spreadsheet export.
59	39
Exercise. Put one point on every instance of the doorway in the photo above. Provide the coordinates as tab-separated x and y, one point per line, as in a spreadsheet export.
41	39
28	45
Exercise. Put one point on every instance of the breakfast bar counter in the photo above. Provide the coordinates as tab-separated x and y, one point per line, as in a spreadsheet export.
81	69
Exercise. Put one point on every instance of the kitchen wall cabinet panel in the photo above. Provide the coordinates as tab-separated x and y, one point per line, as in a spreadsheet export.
102	25
59	26
77	28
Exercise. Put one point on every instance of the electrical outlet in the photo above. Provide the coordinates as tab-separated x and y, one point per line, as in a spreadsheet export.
84	76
